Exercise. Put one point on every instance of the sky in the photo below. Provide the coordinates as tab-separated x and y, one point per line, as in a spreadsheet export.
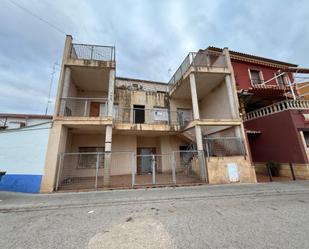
151	37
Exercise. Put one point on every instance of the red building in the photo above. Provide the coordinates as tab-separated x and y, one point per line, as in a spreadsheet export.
276	119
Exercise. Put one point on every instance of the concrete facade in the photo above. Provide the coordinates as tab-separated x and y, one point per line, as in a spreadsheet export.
120	119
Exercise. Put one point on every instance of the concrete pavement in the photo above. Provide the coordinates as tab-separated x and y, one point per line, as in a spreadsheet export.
273	215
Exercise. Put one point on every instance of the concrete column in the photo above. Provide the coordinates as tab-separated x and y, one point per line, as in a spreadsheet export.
232	100
201	158
111	86
66	88
195	108
109	131
56	145
66	55
107	156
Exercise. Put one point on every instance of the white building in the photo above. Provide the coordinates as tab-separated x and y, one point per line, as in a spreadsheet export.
23	144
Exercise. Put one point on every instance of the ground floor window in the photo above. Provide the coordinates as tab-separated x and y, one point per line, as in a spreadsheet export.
88	157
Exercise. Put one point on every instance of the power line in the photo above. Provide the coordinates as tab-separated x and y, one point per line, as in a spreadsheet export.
38	17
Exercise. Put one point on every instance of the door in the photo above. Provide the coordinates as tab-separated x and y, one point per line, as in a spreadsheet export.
145	160
95	109
139	114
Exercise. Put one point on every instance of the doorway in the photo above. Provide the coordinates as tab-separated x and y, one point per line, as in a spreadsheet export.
145	160
95	109
139	114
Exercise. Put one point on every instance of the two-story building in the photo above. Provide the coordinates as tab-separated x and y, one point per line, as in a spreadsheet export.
116	132
275	111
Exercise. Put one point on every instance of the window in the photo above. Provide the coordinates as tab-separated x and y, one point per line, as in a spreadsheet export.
281	80
88	158
256	77
160	114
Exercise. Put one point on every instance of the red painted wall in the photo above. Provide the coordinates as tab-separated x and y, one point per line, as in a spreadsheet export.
279	139
242	74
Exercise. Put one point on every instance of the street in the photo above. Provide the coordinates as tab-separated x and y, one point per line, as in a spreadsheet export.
268	215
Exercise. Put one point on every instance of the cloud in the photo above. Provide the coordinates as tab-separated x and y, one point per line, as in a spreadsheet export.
151	37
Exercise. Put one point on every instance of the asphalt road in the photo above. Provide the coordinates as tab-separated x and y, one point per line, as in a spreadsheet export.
272	215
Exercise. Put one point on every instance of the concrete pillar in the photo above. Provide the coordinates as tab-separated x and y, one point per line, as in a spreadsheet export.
66	55
231	97
56	145
195	108
107	156
111	86
109	131
66	88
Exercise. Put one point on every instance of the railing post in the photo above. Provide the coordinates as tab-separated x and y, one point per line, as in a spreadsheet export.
153	166
86	108
97	171
173	167
91	56
133	169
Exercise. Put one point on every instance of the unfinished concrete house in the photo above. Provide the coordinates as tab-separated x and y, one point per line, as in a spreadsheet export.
113	132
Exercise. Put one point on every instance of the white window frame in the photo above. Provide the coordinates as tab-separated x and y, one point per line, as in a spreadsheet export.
260	75
284	79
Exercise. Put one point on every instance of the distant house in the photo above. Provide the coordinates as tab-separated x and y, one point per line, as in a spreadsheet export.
23	144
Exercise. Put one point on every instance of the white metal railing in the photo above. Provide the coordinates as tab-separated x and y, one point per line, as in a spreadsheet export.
152	116
198	59
83	107
277	107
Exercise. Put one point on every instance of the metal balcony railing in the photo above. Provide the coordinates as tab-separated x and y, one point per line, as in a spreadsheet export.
92	52
83	107
198	59
151	116
277	107
223	146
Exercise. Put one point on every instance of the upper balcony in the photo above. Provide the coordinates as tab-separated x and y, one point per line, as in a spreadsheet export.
91	55
209	69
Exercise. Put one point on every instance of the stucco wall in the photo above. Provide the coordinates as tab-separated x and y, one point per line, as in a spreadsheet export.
215	105
279	139
218	169
22	156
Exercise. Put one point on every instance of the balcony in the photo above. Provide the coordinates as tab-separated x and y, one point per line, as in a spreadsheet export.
277	107
198	61
83	107
157	116
92	52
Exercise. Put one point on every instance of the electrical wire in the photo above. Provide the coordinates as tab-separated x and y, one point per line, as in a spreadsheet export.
26	127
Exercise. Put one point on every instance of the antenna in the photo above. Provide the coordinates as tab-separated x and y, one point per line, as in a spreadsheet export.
50	86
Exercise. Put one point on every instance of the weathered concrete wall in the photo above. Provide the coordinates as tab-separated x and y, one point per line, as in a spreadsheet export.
56	145
216	104
218	171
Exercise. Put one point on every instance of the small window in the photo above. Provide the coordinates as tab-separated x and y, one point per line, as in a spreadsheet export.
88	157
256	77
281	80
22	124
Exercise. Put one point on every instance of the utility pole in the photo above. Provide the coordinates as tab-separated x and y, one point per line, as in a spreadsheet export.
50	87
